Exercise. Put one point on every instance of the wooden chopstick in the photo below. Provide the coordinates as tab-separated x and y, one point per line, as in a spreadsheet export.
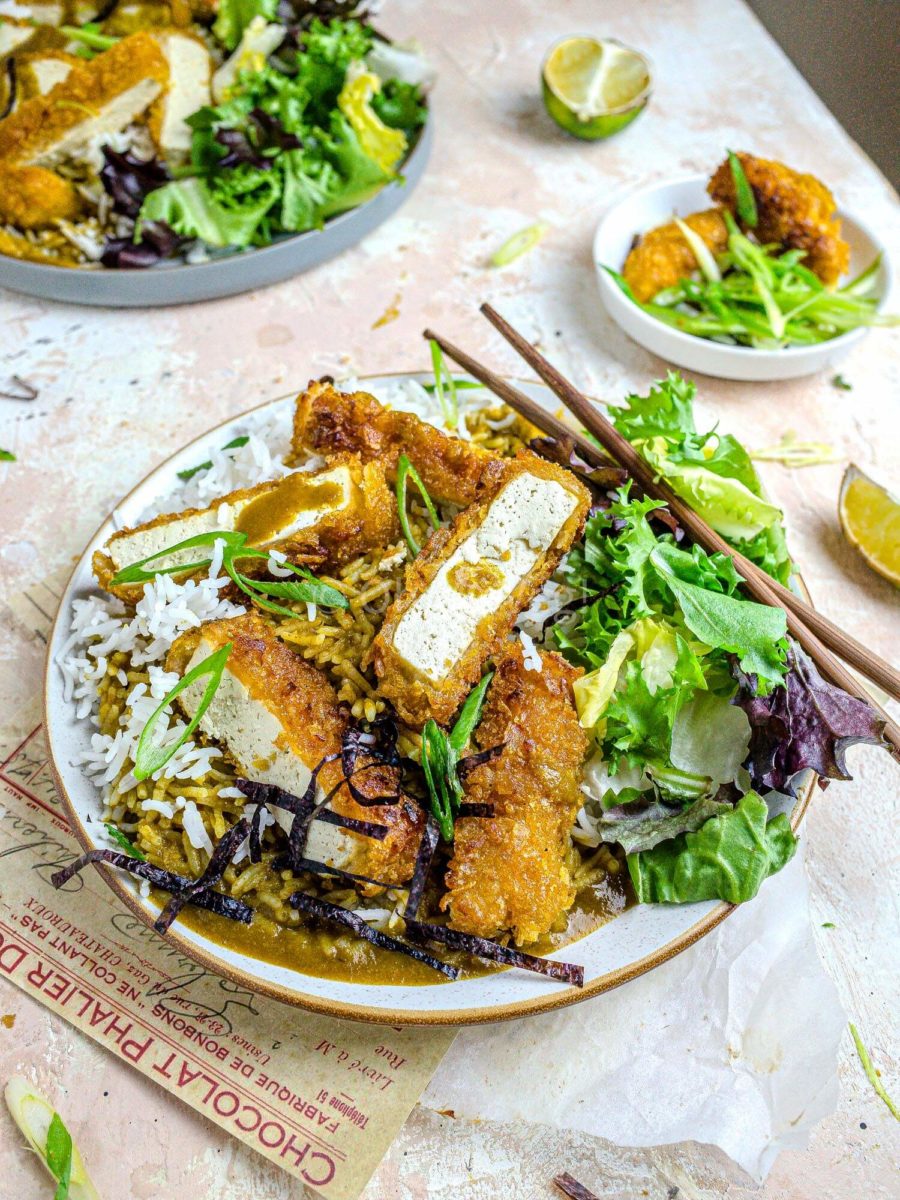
759	584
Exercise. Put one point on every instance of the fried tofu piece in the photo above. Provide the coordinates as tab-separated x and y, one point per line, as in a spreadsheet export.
97	98
34	198
463	592
662	257
39	71
509	872
324	518
277	717
797	211
330	422
190	71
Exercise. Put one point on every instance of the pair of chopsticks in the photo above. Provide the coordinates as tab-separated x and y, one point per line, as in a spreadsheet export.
815	633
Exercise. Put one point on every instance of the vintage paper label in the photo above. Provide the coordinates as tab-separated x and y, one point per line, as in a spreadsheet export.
321	1098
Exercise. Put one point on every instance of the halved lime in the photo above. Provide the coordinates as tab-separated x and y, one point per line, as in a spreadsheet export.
870	519
594	87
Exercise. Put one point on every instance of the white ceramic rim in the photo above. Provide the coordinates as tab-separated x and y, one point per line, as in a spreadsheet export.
627	944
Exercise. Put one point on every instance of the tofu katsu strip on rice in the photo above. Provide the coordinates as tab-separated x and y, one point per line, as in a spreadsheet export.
511	873
326	517
465	590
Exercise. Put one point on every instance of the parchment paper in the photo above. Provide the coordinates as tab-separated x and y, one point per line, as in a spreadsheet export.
734	1043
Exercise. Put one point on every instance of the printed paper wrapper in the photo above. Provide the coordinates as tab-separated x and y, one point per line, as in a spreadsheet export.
321	1098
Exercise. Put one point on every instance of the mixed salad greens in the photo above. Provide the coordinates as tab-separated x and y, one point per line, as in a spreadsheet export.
312	118
693	694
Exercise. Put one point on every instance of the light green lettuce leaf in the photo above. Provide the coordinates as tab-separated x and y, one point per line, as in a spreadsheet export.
727	858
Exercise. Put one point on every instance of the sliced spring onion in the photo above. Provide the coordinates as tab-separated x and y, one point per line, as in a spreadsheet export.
745	201
7	456
190	472
48	1137
792	453
89	35
871	1073
520	243
440	758
310	591
149	758
121	840
705	258
838	381
444	379
405	472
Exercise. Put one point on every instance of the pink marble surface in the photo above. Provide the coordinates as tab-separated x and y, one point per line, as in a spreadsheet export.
119	391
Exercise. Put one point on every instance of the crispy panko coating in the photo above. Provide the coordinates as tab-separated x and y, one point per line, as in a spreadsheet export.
328	422
796	211
368	519
312	723
416	617
100	96
661	257
509	872
33	197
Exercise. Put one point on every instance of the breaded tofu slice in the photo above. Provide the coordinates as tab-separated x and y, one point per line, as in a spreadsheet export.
463	592
509	872
797	211
324	517
277	717
38	72
662	257
190	70
329	422
33	197
14	33
98	98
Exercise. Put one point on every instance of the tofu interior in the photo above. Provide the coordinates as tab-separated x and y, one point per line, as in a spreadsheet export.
267	515
257	741
519	527
120	111
189	76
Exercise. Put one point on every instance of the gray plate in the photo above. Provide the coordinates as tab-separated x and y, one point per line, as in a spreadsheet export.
230	271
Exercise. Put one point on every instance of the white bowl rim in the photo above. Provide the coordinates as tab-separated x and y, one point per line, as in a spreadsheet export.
738	353
215	958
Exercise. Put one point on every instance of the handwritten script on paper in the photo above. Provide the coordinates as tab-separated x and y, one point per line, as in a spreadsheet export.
321	1098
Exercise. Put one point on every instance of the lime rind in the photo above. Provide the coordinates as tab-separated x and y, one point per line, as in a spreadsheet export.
594	87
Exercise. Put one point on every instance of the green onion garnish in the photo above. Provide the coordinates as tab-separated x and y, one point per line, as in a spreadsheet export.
441	754
841	383
48	1137
310	591
190	472
149	758
121	840
90	35
7	456
444	379
517	245
745	201
59	1156
406	471
871	1073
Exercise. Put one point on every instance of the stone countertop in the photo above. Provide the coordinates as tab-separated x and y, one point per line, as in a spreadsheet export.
120	391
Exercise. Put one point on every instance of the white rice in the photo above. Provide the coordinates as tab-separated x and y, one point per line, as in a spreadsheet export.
531	659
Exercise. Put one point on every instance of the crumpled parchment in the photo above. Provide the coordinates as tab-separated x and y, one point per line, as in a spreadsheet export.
734	1043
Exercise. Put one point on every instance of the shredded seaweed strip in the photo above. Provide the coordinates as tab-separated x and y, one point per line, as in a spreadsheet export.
269	794
166	881
379	744
24	389
481	947
572	1188
424	858
335	915
320	868
469	763
10	88
223	852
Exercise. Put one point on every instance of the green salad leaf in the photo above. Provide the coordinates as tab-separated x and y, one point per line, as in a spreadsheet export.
727	858
234	16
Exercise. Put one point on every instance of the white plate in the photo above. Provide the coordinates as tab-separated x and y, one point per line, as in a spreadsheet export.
643	210
642	938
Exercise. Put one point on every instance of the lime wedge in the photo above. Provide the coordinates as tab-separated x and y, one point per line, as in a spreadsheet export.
594	87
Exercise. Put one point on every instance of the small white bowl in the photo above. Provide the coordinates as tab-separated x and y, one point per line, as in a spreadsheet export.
644	210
